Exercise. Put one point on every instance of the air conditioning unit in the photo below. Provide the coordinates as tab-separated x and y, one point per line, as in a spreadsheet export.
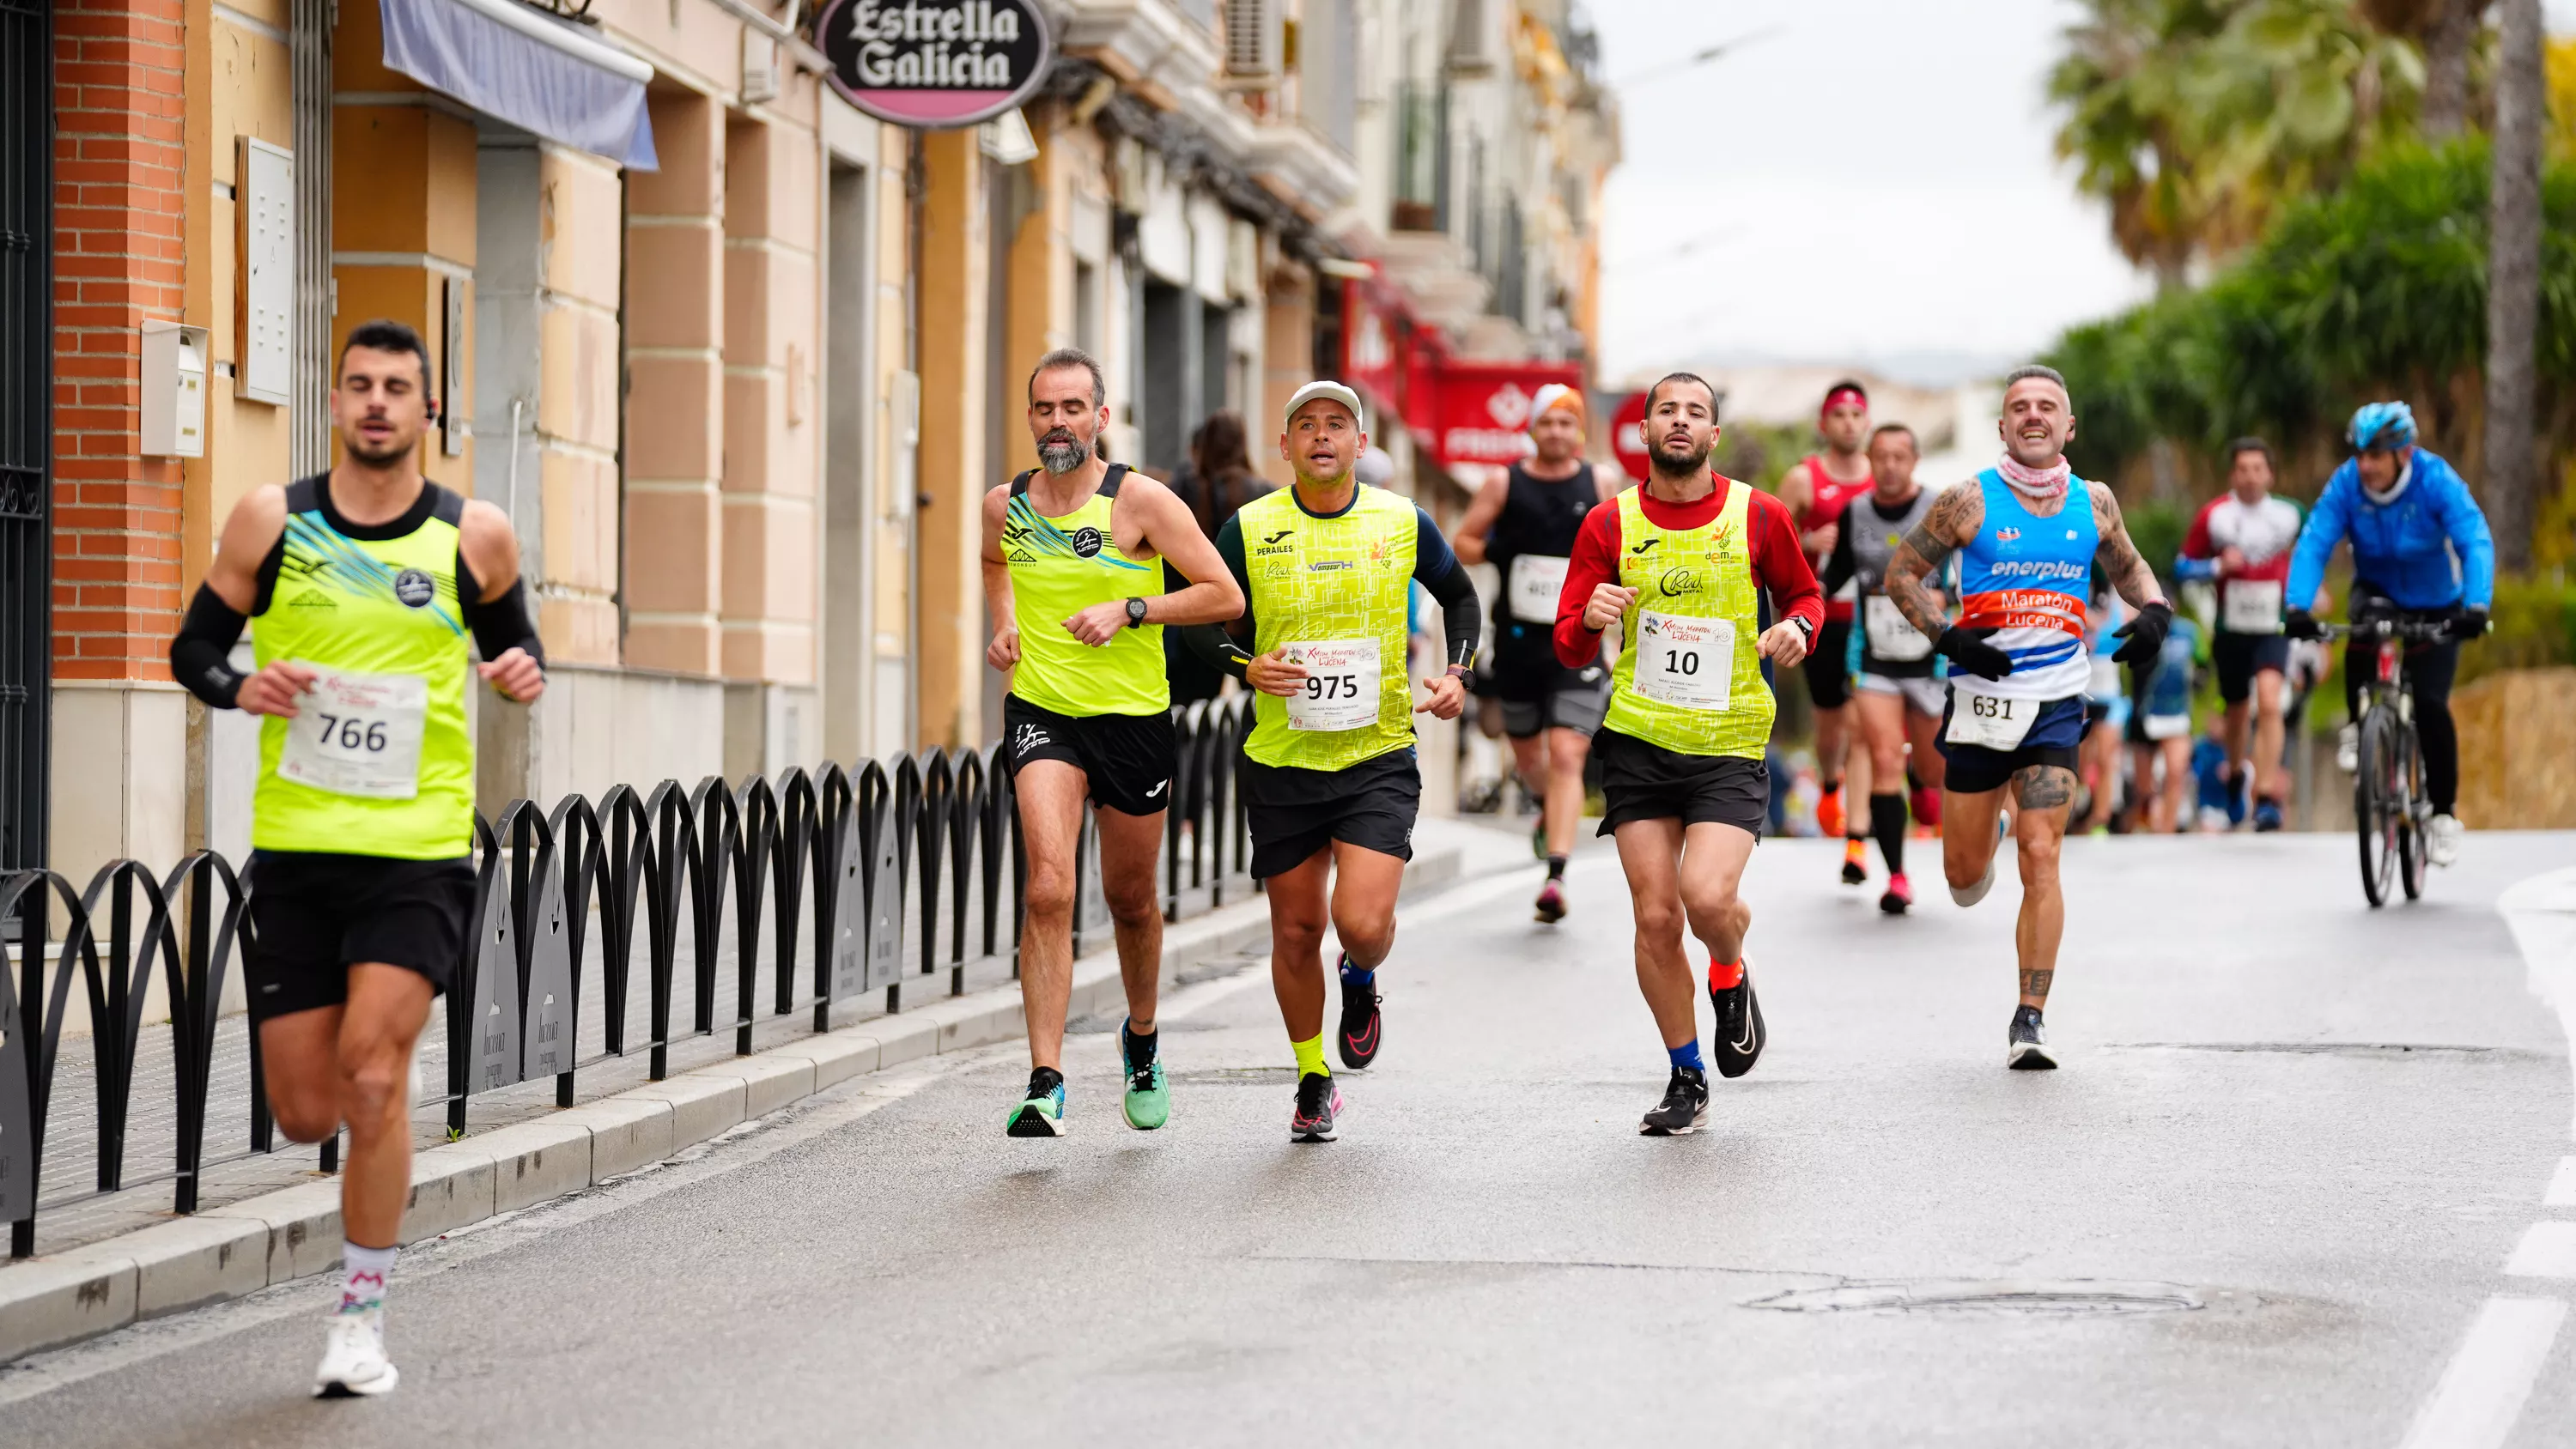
1472	39
1252	41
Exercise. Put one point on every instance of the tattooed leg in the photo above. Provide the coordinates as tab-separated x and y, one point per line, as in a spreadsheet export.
2045	793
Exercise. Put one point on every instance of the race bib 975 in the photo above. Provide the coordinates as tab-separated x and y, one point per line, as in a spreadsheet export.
1342	684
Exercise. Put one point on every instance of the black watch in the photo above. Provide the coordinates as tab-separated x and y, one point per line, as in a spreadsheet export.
1135	613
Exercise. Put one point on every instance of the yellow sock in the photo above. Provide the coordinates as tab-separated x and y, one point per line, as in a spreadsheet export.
1310	1056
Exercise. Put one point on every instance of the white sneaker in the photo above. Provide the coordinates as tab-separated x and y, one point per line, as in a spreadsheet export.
2442	839
1975	893
2348	749
354	1362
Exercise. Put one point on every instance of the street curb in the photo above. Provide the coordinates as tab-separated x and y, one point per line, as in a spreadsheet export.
237	1249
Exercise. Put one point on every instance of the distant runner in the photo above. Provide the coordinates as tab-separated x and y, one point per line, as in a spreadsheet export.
1524	520
1330	784
1817	490
2241	541
2029	534
1679	565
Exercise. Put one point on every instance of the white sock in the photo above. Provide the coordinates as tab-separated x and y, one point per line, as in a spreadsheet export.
363	1272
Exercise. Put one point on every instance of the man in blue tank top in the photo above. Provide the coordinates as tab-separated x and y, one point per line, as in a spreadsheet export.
2029	534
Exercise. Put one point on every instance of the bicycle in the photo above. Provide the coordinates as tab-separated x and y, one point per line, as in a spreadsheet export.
2390	809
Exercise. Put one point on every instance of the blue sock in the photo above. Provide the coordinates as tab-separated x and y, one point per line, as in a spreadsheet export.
1354	976
1687	1055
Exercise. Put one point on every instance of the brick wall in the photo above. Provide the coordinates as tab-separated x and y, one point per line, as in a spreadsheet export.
117	213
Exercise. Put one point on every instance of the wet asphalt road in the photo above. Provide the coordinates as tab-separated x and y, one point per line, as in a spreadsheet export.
2326	1127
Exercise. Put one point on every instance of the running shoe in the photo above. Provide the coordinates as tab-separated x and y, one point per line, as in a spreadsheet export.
1148	1100
1684	1109
1040	1113
1551	902
1829	812
1318	1102
1738	1039
2267	816
1359	1033
1975	893
2026	1048
1899	896
1855	861
2442	839
2348	749
353	1360
1538	839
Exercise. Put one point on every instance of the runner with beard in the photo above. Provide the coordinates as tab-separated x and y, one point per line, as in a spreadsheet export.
1817	490
2029	535
1073	581
1524	520
1680	566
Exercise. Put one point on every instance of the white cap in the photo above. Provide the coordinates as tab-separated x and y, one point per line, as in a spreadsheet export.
1376	467
1324	388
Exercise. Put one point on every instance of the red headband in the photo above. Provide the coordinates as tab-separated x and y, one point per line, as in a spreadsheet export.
1842	395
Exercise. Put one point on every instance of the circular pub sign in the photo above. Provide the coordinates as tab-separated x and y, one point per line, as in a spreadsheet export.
934	64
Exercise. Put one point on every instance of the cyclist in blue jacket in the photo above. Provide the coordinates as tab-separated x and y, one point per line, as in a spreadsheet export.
2421	551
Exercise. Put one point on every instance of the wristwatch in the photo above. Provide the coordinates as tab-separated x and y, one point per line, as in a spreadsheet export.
1135	613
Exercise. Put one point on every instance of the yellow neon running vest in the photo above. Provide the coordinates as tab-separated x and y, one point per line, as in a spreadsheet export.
1695	573
381	607
1060	567
1322	579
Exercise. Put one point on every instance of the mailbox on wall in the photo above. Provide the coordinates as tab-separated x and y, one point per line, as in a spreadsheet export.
174	390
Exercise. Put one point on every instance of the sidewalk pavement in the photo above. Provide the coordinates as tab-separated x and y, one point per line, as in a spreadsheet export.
277	1219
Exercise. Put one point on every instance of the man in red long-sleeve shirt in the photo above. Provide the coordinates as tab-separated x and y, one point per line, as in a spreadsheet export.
1680	565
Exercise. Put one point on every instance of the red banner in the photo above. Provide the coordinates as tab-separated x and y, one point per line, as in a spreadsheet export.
1479	412
1374	336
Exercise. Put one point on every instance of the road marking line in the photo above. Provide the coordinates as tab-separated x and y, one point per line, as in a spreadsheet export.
2562	1186
2547	1250
2483	1388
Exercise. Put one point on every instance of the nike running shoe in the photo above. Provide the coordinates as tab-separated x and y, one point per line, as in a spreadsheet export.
1318	1102
1148	1100
1359	1033
2027	1046
1040	1113
1975	893
2267	816
1737	1042
353	1360
1855	861
1684	1109
1899	897
1551	902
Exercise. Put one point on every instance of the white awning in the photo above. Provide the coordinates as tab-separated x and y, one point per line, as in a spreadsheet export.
542	75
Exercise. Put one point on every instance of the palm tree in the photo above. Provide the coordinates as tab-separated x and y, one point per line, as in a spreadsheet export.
2131	127
2513	284
2447	31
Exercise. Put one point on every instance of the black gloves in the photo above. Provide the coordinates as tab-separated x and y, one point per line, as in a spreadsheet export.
2146	636
1968	649
2471	624
2300	624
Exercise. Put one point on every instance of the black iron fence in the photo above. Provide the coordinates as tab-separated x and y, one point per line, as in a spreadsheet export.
852	883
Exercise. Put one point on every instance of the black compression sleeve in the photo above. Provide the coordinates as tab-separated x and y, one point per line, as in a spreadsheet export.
1462	620
200	655
1215	647
1841	563
503	625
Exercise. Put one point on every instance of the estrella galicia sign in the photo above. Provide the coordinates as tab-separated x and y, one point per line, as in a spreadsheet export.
934	65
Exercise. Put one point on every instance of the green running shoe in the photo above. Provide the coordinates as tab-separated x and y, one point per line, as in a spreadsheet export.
1148	1100
1041	1112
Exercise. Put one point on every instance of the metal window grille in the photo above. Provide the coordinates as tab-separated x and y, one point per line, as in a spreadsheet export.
1252	38
26	424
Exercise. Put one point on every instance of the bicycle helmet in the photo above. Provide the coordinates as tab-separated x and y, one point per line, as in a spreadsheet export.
2389	425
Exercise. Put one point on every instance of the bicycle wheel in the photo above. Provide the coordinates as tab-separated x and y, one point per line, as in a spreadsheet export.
2410	823
2375	807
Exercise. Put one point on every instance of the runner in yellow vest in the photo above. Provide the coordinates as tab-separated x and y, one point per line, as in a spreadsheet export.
368	583
1679	566
1329	779
1073	579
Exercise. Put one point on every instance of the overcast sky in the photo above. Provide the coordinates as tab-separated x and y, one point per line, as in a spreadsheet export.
1871	183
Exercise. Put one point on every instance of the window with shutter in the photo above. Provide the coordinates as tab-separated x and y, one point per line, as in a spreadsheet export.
1252	38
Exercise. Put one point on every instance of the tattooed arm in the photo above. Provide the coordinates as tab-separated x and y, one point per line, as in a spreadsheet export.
2117	558
1952	520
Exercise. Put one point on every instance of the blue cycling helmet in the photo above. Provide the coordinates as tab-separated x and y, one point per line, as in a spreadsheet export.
2382	425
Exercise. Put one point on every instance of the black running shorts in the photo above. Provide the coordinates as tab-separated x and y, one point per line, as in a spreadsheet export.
1125	759
1556	698
2239	657
1828	665
1642	781
315	915
2053	740
1292	813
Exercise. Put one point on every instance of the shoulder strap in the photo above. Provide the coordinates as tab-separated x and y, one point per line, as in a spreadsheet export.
1020	485
304	495
1109	480
446	505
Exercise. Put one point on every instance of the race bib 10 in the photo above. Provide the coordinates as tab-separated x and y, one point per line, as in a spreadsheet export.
1343	684
1988	720
1685	661
358	734
1536	582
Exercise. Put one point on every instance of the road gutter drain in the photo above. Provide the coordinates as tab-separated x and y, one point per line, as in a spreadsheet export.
2063	1298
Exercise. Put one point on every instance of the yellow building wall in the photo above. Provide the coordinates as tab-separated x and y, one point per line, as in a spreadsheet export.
952	271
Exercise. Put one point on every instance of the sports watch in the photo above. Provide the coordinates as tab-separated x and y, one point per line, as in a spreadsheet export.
1135	613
